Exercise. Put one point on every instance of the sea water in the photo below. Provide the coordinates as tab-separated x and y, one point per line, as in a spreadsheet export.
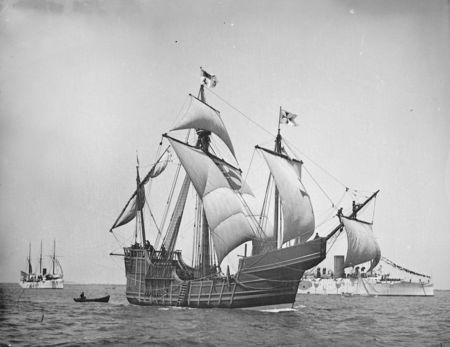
51	317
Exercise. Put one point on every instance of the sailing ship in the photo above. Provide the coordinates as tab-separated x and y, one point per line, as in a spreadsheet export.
282	248
43	279
363	250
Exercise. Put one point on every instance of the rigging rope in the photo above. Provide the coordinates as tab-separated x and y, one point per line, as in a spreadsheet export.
242	113
336	236
318	185
374	206
260	232
169	199
287	144
315	163
178	114
326	220
249	165
149	187
153	217
121	243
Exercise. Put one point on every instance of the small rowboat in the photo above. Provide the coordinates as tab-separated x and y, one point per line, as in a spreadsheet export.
102	299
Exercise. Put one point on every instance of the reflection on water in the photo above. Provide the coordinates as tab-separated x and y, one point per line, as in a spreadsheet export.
51	317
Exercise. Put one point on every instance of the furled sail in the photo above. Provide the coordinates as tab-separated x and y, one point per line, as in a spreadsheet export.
158	167
362	246
298	215
202	116
227	218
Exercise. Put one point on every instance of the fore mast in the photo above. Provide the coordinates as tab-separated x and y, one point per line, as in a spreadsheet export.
276	240
277	214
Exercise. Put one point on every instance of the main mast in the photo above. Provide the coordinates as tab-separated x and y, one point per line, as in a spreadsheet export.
203	142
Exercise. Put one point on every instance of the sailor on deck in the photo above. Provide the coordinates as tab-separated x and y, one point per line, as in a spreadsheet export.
163	251
149	246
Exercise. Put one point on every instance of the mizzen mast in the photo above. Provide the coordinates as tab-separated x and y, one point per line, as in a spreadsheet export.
139	213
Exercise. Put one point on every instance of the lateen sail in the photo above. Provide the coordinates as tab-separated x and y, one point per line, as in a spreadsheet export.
137	201
136	204
202	116
362	246
228	220
298	215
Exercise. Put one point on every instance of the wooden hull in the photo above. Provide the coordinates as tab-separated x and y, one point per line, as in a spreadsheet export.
267	279
43	284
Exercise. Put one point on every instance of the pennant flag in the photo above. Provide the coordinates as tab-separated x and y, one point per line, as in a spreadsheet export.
208	80
288	117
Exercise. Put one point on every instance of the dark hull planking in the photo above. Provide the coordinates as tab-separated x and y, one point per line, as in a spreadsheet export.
266	279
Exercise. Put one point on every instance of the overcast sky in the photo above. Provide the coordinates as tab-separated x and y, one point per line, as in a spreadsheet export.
86	84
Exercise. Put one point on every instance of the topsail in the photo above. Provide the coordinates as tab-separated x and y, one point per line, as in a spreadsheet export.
202	116
362	246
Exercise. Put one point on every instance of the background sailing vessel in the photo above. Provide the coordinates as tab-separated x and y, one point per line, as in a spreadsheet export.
280	233
44	279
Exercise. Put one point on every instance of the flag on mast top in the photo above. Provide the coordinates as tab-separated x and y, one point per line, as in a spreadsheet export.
207	79
288	117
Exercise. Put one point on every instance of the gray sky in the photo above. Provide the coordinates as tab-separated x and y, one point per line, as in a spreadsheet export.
85	84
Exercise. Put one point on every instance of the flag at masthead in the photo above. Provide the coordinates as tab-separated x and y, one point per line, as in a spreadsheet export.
207	79
287	117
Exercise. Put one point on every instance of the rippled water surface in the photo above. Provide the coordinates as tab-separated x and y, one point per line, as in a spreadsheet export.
51	317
